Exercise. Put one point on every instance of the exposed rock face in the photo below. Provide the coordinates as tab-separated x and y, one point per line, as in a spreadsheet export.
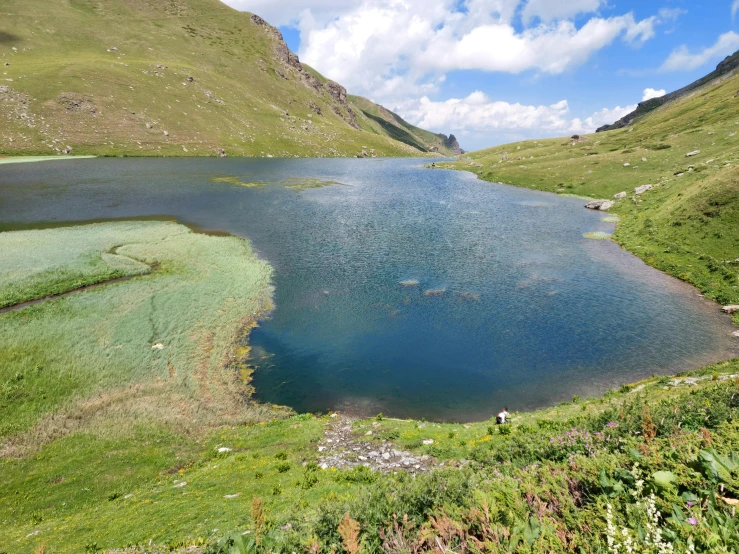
602	205
729	65
453	145
292	62
338	93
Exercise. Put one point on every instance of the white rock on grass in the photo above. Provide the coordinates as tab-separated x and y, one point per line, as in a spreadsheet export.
602	205
627	164
642	189
620	195
224	449
428	442
693	153
730	309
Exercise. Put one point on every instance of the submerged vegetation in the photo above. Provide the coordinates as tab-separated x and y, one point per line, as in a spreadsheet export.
294	183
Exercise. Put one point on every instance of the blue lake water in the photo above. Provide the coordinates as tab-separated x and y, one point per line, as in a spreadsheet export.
513	305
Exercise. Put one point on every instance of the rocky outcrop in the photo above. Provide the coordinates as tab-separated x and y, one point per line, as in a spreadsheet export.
339	96
451	143
77	103
642	189
291	62
725	68
602	205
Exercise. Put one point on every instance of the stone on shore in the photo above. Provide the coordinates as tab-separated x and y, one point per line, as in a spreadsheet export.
602	205
730	309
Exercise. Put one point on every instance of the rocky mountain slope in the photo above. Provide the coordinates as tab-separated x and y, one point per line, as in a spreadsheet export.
725	69
175	77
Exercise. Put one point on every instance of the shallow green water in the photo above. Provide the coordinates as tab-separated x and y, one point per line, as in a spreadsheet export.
513	305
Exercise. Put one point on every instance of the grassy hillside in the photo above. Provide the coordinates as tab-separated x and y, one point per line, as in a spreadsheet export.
727	67
688	150
146	77
377	119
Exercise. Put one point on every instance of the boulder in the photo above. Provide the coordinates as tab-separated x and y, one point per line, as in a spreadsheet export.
627	164
730	309
642	189
602	205
693	153
620	195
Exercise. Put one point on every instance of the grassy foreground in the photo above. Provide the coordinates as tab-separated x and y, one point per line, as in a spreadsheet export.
126	425
687	150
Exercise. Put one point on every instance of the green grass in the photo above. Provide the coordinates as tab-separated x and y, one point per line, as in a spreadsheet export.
684	226
540	468
67	87
155	347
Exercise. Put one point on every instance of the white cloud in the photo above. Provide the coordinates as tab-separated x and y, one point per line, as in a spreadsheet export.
551	10
605	116
383	40
734	8
479	115
650	93
477	112
682	59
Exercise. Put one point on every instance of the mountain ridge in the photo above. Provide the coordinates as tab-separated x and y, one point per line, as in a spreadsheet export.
726	67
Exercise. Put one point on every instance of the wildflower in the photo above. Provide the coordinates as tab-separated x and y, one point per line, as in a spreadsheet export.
692	521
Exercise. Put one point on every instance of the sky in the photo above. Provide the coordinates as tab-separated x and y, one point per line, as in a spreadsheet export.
497	71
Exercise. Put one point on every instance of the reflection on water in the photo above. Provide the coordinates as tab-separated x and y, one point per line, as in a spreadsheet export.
409	292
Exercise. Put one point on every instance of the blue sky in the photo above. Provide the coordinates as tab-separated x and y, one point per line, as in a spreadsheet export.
493	71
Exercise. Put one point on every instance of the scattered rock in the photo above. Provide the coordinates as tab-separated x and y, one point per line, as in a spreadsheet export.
224	449
222	153
166	133
693	153
4	90
730	309
180	485
642	189
67	150
602	205
77	103
620	195
159	346
341	448
735	334
644	159
112	49
627	164
148	125
428	442
230	496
